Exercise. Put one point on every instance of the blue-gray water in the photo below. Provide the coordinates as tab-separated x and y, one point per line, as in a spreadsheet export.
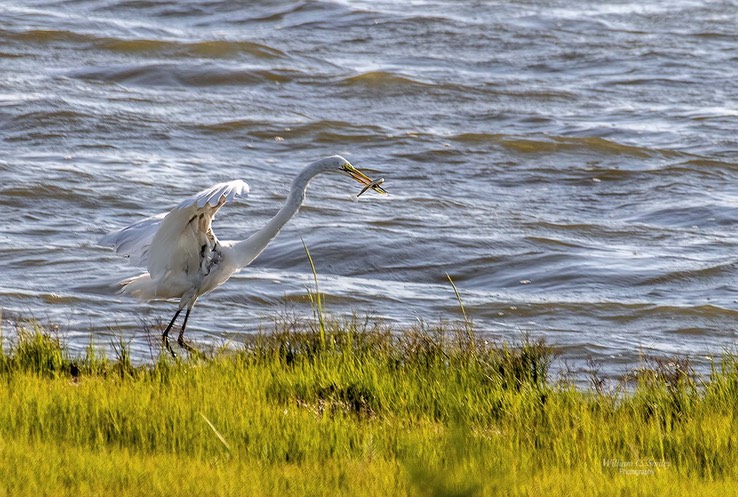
572	165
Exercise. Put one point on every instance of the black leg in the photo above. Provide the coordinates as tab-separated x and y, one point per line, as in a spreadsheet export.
165	335
189	348
180	339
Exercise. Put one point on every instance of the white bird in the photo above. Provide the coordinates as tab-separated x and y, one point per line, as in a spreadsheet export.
183	256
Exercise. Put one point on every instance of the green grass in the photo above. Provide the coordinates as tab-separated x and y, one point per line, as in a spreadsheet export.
351	408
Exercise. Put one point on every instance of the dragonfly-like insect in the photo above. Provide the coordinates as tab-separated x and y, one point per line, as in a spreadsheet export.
374	185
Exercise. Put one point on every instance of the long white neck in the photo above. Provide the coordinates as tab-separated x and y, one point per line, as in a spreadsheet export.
248	250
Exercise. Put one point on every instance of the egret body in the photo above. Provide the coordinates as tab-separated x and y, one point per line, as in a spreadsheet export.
183	257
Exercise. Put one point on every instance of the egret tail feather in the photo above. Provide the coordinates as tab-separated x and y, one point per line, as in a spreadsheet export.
141	287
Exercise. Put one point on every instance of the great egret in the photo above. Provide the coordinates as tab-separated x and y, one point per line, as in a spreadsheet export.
184	258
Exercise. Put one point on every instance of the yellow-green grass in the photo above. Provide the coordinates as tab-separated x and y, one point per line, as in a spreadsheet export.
351	409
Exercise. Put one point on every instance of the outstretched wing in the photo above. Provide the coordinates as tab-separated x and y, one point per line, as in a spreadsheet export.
174	241
134	241
178	243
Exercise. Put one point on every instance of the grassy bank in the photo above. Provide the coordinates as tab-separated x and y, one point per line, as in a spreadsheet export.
356	410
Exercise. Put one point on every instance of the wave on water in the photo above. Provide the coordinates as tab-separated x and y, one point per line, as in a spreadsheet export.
313	132
328	131
216	48
554	144
23	195
45	36
378	79
711	273
204	49
688	216
38	120
617	312
177	74
34	111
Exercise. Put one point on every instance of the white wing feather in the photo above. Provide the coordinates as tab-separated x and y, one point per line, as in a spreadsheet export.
169	241
135	240
177	243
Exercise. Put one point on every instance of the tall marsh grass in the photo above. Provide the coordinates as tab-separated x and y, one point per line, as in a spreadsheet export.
354	408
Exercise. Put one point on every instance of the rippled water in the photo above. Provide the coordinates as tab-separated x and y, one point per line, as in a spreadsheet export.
572	165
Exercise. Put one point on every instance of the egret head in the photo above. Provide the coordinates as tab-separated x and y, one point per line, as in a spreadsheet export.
346	167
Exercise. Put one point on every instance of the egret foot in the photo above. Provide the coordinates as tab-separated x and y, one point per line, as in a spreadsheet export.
189	348
180	339
165	338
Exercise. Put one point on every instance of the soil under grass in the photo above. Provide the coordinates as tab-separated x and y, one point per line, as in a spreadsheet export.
357	410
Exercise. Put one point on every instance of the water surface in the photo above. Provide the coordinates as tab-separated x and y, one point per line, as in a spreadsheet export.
572	165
